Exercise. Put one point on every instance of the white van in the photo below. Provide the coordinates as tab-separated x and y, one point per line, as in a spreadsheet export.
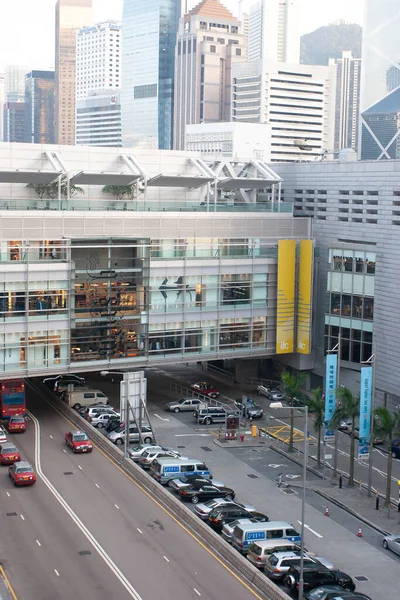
165	470
259	552
84	396
244	535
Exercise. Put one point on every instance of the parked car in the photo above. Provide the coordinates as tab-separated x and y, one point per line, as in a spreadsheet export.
78	441
205	389
67	379
22	473
3	435
226	514
227	528
88	411
100	420
212	414
333	592
193	493
260	550
270	393
136	452
248	409
84	396
16	424
113	424
392	542
203	509
61	386
183	405
317	575
151	454
9	453
278	564
396	448
118	436
177	484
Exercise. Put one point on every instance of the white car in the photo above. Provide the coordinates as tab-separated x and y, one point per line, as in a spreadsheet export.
392	542
135	453
3	435
101	419
150	455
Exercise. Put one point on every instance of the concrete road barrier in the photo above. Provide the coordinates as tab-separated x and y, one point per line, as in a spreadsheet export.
233	559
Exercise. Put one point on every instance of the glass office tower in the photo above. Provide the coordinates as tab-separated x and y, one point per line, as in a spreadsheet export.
149	38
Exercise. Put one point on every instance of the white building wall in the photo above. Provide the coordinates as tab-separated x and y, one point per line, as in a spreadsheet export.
243	140
274	30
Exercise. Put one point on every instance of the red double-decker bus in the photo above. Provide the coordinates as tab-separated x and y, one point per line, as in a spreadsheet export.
12	398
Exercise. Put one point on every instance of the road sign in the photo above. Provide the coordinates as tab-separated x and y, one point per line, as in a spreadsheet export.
328	456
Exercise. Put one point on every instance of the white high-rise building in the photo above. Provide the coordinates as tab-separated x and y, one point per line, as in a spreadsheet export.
14	83
98	58
347	101
274	30
1	105
297	101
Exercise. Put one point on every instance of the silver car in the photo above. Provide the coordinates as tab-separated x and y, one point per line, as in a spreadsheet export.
392	542
202	510
118	436
151	454
185	404
100	419
227	528
3	435
136	453
278	564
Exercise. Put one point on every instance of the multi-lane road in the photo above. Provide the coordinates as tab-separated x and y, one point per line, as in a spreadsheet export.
85	530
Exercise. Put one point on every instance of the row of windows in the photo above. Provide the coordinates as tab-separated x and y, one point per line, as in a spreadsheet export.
346	305
355	345
352	261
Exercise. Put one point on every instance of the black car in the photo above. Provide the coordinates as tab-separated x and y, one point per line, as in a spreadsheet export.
205	492
316	576
113	424
333	592
227	514
66	379
248	409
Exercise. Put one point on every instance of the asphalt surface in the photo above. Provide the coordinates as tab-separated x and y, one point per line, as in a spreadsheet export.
86	531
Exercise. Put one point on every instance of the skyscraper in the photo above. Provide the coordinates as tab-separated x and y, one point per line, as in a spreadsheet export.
347	101
71	15
148	55
14	83
14	121
274	30
39	107
1	105
210	41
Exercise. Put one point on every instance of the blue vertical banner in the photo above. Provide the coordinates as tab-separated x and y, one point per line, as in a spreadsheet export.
365	412
330	395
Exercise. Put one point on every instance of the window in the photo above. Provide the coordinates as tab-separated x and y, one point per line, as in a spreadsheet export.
145	91
213	49
238	52
187	468
275	534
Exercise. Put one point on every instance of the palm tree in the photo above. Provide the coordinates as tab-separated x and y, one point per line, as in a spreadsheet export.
316	404
292	386
348	408
387	424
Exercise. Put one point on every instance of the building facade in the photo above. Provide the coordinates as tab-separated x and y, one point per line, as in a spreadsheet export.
355	207
297	101
274	30
1	105
381	128
14	83
14	121
347	101
39	107
210	42
71	15
98	58
149	36
96	281
98	119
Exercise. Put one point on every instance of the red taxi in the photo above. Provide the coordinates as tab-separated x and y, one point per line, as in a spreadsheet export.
22	473
205	389
9	454
78	441
16	424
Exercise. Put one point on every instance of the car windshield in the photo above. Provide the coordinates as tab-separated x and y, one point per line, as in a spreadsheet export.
316	594
10	449
80	437
24	469
17	420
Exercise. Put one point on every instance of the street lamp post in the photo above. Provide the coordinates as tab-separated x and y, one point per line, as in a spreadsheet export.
124	404
303	497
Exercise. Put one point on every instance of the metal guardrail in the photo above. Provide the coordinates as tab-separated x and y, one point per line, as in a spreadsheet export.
216	544
220	371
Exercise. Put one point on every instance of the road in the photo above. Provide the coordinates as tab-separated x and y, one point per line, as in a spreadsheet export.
85	530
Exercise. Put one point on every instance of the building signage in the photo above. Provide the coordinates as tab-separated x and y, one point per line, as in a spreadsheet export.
365	412
285	300
304	298
330	395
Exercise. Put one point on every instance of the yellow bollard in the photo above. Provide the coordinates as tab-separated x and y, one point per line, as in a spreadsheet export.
254	431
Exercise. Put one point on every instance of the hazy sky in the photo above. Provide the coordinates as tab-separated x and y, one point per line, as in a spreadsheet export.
27	26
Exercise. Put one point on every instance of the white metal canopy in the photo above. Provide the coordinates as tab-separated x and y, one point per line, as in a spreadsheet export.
247	183
34	177
86	178
187	181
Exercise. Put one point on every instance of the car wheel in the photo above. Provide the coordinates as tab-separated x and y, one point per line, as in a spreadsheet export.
119	441
76	406
169	483
147	440
348	588
208	421
195	499
176	410
100	425
394	455
385	544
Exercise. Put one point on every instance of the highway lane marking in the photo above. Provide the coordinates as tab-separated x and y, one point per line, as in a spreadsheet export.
165	558
89	536
56	572
312	530
97	485
165	510
10	588
64	450
8	494
38	543
197	592
116	506
22	517
158	417
50	436
139	530
79	467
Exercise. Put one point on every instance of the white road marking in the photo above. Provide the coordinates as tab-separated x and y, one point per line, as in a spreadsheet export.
64	450
158	417
116	506
312	530
273	466
79	467
8	494
97	485
198	593
50	436
89	536
38	543
139	530
193	434
22	517
56	572
165	558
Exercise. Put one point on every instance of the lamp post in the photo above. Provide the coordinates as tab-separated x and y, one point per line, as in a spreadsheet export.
303	496
124	403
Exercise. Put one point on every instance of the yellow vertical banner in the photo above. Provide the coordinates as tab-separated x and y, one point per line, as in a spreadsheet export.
304	297
285	296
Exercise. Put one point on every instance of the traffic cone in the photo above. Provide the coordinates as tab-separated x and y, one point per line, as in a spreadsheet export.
359	534
326	511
